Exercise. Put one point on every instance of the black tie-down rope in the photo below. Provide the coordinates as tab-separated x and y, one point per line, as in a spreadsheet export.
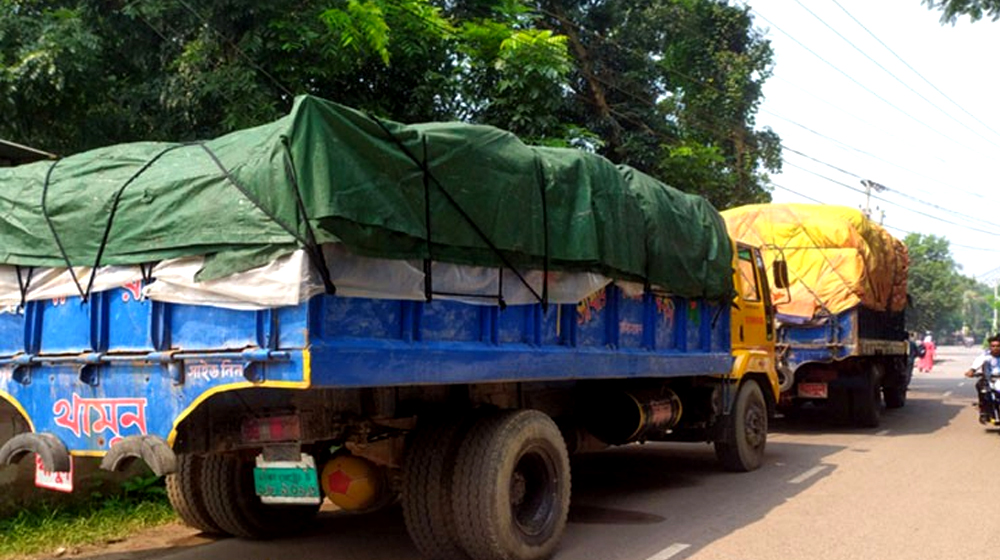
55	235
428	176
23	284
111	216
428	269
85	293
308	243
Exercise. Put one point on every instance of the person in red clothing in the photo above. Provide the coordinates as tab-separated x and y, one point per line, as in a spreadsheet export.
926	362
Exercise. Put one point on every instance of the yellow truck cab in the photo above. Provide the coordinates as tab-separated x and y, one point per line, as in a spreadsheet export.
752	322
754	377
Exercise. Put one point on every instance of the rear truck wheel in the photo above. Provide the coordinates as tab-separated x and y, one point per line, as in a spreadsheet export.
838	404
184	490
895	387
866	401
427	489
228	488
511	487
741	448
895	397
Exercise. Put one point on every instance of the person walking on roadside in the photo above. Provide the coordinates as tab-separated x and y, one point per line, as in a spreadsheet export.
926	361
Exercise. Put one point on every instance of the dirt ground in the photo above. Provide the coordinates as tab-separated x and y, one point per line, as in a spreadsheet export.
137	546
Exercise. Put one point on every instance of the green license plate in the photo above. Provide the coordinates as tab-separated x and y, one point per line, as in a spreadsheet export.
287	482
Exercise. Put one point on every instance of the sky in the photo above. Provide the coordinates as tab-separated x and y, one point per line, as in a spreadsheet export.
883	92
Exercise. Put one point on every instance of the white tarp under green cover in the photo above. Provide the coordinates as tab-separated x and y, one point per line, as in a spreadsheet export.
451	192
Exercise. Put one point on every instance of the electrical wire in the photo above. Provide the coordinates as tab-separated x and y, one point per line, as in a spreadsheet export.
895	77
914	70
863	86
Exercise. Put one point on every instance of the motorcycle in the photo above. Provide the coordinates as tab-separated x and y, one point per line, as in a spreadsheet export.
988	388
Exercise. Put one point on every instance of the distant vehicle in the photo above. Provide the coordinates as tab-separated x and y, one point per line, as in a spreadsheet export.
841	337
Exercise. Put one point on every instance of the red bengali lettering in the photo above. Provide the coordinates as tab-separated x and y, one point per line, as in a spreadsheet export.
86	416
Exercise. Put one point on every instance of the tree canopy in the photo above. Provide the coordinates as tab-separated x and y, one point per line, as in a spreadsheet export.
942	299
670	87
951	10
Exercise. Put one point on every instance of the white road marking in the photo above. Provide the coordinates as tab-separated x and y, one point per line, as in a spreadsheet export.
882	433
807	475
962	384
946	394
669	552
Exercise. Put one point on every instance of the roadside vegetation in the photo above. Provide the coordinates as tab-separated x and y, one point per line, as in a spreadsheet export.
50	529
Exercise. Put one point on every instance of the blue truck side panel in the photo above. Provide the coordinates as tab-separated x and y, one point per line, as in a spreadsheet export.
825	341
118	365
858	332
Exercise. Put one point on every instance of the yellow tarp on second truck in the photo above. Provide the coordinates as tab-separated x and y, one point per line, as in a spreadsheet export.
837	258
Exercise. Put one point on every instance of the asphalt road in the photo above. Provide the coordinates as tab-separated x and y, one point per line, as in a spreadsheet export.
922	485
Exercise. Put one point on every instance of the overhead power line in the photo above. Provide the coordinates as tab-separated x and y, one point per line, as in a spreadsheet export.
863	86
903	206
914	70
887	71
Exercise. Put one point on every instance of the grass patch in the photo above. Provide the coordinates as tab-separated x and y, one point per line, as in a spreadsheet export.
143	503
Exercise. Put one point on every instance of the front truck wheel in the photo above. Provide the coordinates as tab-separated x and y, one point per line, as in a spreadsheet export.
427	489
228	489
186	494
511	487
742	446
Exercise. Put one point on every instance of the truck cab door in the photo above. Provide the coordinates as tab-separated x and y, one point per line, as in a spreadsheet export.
753	321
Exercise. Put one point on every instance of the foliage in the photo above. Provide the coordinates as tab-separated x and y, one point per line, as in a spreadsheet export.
670	87
934	284
142	503
951	10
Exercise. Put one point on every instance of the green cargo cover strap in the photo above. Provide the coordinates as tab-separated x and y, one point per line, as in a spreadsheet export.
465	215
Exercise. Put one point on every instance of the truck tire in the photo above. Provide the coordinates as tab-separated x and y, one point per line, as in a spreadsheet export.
427	488
741	448
866	401
511	487
227	484
895	397
184	490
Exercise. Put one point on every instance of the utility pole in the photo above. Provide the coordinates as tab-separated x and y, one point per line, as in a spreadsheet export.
869	186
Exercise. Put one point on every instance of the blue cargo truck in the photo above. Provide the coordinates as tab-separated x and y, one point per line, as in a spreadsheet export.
424	377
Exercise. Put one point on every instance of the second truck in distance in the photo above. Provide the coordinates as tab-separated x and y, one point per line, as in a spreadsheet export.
841	334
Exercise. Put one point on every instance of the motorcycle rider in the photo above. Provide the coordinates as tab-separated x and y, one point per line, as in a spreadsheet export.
983	361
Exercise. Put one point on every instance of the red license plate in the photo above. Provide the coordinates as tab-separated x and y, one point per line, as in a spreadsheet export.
812	390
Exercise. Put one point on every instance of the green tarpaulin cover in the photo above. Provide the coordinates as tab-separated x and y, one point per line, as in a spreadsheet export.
327	173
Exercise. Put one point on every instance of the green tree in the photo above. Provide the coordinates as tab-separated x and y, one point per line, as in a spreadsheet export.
951	10
934	285
670	87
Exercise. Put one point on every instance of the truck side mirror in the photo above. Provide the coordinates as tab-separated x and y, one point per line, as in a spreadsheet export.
780	271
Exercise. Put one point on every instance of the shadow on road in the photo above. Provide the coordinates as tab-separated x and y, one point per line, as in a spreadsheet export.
924	413
621	496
